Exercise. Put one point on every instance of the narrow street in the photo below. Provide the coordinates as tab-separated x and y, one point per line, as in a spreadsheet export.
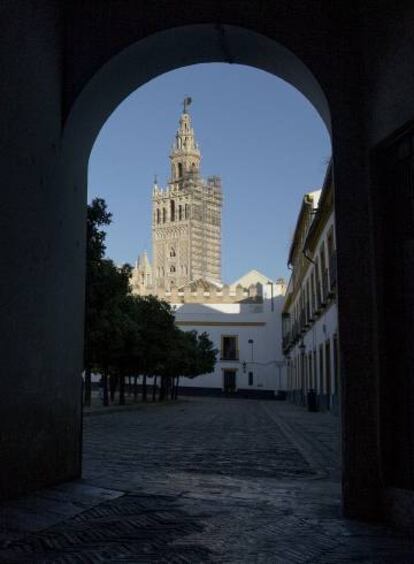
201	480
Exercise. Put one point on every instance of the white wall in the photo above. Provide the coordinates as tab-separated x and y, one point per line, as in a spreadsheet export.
260	322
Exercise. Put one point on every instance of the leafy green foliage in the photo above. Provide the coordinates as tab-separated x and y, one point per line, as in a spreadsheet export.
132	335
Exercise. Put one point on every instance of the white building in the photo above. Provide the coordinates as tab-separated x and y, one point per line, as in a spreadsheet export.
247	334
310	327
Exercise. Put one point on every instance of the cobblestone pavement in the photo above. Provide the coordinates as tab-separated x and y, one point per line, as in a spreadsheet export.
208	480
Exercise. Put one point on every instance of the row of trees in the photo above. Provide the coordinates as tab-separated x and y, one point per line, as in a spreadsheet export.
129	336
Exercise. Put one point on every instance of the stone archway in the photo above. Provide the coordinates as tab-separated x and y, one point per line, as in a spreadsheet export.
163	52
93	65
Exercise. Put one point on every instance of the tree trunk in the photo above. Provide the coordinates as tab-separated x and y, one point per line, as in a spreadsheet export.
144	387
172	389
129	386
154	388
105	387
88	387
176	387
161	396
113	384
122	389
135	388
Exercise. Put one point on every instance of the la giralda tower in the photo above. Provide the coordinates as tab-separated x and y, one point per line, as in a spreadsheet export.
186	221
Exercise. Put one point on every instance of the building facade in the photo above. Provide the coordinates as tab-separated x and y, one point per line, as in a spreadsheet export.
246	330
186	221
309	318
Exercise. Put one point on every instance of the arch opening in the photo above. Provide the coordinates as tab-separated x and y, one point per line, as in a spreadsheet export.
200	43
103	94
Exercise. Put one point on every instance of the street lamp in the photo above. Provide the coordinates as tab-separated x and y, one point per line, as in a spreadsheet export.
251	342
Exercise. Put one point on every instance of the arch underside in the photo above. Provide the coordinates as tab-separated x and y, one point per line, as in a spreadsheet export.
172	49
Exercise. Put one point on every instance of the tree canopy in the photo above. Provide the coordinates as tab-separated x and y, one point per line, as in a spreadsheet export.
128	335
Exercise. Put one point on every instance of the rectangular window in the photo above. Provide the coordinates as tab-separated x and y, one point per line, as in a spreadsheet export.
328	370
318	285
310	371
331	260
321	374
324	274
229	348
330	241
308	299
336	363
250	378
313	293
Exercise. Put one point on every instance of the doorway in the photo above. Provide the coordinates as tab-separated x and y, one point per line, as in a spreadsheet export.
229	381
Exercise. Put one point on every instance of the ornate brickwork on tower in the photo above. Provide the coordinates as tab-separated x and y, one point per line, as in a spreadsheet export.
186	219
186	236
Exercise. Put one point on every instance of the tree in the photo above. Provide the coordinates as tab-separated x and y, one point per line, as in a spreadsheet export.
106	286
206	355
180	349
156	321
106	328
187	354
97	217
132	335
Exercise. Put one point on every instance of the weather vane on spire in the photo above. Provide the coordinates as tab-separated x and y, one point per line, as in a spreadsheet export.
186	103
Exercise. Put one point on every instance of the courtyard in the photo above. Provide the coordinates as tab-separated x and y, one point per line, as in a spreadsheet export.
200	480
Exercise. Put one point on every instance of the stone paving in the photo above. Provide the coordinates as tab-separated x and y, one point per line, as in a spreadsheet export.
204	480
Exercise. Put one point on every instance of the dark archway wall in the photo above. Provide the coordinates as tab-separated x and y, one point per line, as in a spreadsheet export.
389	59
53	56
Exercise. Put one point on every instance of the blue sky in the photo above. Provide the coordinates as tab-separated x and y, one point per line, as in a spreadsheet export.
258	133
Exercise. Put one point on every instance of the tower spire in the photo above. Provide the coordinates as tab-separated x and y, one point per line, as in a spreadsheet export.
186	103
185	155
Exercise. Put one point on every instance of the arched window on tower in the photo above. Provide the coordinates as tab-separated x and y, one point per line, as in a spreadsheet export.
172	210
164	215
180	170
172	252
158	215
172	268
180	213
187	211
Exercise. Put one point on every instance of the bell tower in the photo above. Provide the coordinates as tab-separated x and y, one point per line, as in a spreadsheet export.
186	219
185	154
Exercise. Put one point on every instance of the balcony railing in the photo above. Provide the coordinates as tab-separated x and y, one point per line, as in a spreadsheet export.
231	355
